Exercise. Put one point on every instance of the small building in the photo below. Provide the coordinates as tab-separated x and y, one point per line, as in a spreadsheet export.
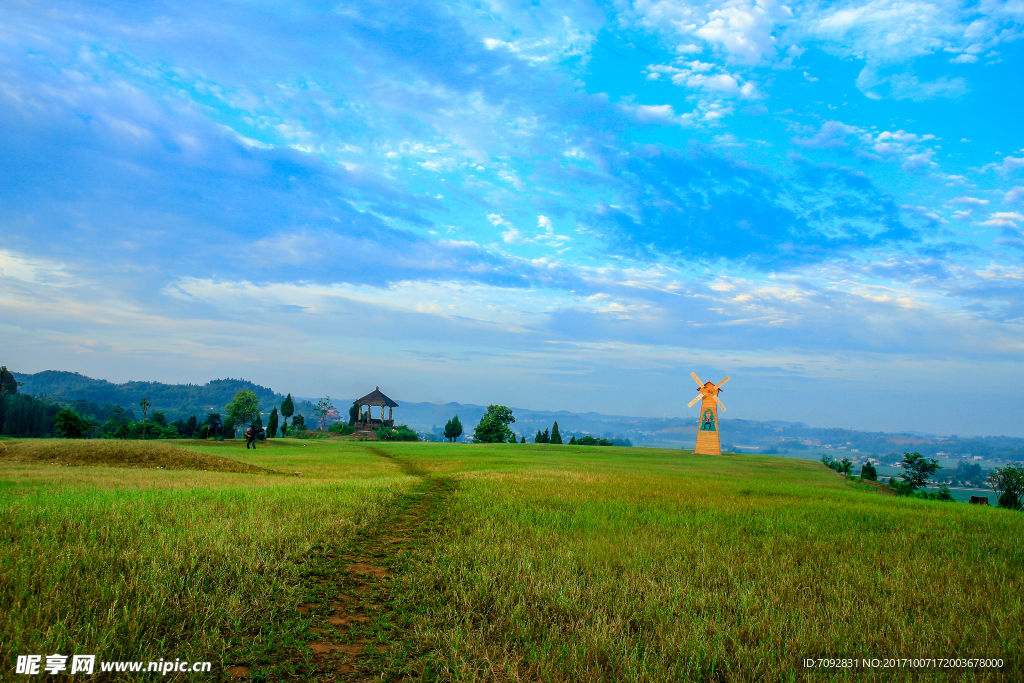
375	399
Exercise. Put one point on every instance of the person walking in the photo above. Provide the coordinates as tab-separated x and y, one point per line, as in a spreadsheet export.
250	438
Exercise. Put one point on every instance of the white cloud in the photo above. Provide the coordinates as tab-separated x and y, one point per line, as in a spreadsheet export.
918	163
660	113
970	201
1004	219
744	31
1015	195
831	135
1011	164
965	58
721	84
34	270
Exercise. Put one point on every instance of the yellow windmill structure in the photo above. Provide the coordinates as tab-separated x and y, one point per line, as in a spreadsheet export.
708	442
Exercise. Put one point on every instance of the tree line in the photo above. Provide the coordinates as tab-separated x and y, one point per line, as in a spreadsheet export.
495	427
1007	482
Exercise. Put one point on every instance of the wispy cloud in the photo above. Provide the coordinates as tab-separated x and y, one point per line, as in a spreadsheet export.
530	186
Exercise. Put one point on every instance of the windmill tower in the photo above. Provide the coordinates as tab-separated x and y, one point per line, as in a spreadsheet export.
708	442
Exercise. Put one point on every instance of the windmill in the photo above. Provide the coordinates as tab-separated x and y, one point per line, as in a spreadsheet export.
708	442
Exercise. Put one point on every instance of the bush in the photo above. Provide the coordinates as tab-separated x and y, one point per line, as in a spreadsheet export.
204	431
942	494
843	466
869	472
341	428
591	441
399	433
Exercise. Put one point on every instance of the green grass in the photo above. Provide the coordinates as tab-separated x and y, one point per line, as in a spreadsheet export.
640	565
553	563
147	563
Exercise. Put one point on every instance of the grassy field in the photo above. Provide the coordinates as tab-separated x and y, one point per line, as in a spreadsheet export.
521	563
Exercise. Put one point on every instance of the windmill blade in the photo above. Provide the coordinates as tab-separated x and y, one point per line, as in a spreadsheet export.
688	405
720	404
722	382
696	379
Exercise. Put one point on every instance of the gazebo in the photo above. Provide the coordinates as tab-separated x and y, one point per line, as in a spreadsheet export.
372	399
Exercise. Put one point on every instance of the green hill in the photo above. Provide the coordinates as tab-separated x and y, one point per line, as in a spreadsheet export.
177	401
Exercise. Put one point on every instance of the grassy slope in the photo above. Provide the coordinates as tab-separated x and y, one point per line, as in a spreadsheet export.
146	563
550	563
565	564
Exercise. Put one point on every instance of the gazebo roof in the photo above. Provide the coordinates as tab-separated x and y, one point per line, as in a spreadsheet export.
375	398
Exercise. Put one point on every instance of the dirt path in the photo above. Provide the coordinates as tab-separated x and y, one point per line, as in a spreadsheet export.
351	606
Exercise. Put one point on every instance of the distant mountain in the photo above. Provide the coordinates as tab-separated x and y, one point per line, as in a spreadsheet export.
182	400
175	400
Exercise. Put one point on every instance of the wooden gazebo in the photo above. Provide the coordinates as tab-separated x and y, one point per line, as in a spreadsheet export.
374	399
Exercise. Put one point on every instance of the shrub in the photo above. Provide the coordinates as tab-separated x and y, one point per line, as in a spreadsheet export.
869	472
942	494
341	428
843	466
591	441
399	433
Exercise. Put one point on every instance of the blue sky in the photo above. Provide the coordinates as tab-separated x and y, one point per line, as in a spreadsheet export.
554	206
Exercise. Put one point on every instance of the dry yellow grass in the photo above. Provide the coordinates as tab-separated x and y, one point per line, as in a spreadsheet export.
119	453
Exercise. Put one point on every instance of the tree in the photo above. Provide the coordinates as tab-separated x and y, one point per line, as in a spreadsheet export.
513	439
191	426
555	436
916	470
868	471
323	408
299	423
453	429
71	425
144	404
1008	483
8	385
494	425
353	414
242	411
272	423
287	410
159	418
522	439
542	437
572	441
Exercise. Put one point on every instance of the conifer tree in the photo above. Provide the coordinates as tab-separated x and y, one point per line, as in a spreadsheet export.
287	410
453	429
555	436
272	423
